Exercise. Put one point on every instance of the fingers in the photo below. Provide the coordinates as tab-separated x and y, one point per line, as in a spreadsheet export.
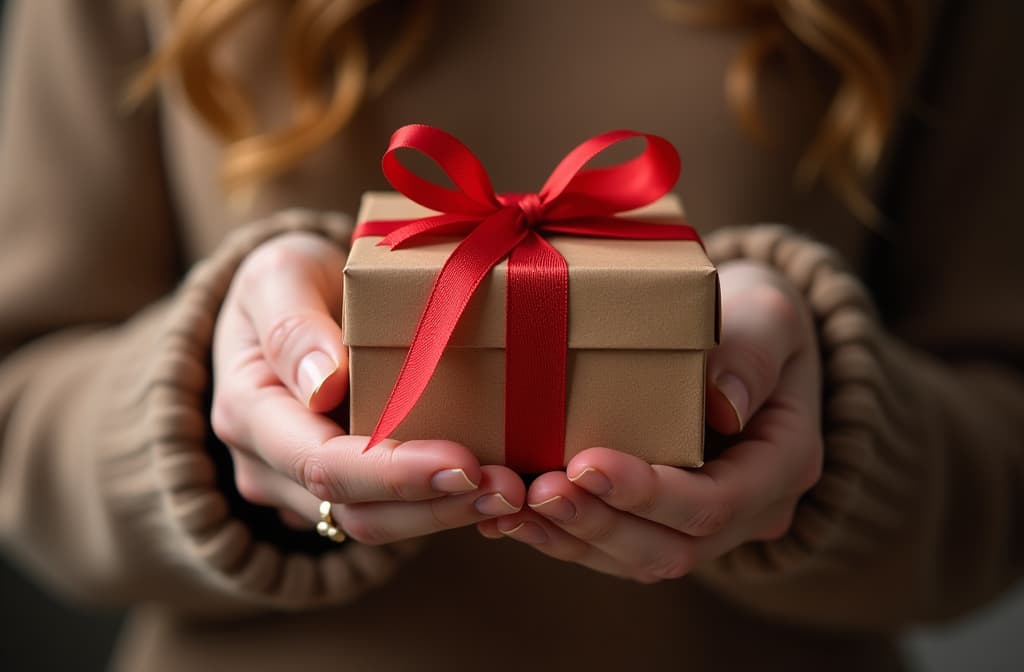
314	452
530	528
259	484
764	323
597	536
501	492
256	415
278	363
391	471
649	563
647	548
614	513
290	291
729	493
566	522
688	501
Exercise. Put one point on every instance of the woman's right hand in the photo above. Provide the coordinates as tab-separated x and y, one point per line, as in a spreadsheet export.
279	363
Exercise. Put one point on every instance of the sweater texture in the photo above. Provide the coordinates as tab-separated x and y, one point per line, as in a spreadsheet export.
118	248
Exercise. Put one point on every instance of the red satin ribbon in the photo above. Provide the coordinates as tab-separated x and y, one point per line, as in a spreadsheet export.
573	201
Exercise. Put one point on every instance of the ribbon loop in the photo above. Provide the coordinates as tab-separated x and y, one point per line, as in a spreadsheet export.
618	188
573	201
473	195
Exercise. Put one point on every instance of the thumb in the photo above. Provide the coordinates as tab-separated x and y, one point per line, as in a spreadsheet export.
761	331
298	335
304	349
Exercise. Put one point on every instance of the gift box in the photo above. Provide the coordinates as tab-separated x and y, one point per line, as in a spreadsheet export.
642	315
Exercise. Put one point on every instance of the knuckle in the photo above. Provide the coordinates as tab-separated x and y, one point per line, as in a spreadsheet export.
673	565
440	514
390	478
642	505
310	472
770	298
709	519
223	420
599	530
643	497
284	333
778	302
274	256
263	265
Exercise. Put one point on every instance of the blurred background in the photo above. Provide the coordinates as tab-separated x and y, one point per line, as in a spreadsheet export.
39	632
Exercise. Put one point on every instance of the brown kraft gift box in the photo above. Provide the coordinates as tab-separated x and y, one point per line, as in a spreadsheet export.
642	315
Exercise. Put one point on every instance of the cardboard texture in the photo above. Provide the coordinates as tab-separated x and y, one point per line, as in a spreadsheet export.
642	315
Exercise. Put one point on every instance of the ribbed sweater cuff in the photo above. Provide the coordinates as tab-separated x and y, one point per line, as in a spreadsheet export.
868	469
158	473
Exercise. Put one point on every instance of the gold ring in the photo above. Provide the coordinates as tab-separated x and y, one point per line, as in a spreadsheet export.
327	527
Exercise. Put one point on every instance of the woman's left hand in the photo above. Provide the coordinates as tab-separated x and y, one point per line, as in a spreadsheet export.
617	514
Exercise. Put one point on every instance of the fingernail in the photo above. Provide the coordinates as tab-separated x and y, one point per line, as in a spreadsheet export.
531	533
452	480
592	480
314	369
556	508
494	504
735	392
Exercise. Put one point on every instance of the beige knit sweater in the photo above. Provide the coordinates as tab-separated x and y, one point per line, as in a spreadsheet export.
116	250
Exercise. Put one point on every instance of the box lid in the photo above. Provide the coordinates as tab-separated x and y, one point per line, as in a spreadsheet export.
623	294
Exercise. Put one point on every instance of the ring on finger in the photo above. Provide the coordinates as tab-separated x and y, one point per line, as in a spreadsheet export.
327	527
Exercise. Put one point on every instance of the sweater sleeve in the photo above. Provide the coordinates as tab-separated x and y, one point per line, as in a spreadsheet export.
109	489
917	514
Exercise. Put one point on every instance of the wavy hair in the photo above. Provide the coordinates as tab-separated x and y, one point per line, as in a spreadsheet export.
327	65
870	45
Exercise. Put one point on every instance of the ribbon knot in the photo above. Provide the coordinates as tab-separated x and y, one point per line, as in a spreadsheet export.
573	201
529	204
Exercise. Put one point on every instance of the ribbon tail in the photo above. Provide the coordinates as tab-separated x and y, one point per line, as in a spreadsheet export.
397	232
536	332
458	280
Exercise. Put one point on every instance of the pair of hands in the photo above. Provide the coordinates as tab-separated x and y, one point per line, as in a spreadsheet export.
279	364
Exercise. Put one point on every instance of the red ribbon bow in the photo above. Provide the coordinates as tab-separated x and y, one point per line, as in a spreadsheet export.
573	201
